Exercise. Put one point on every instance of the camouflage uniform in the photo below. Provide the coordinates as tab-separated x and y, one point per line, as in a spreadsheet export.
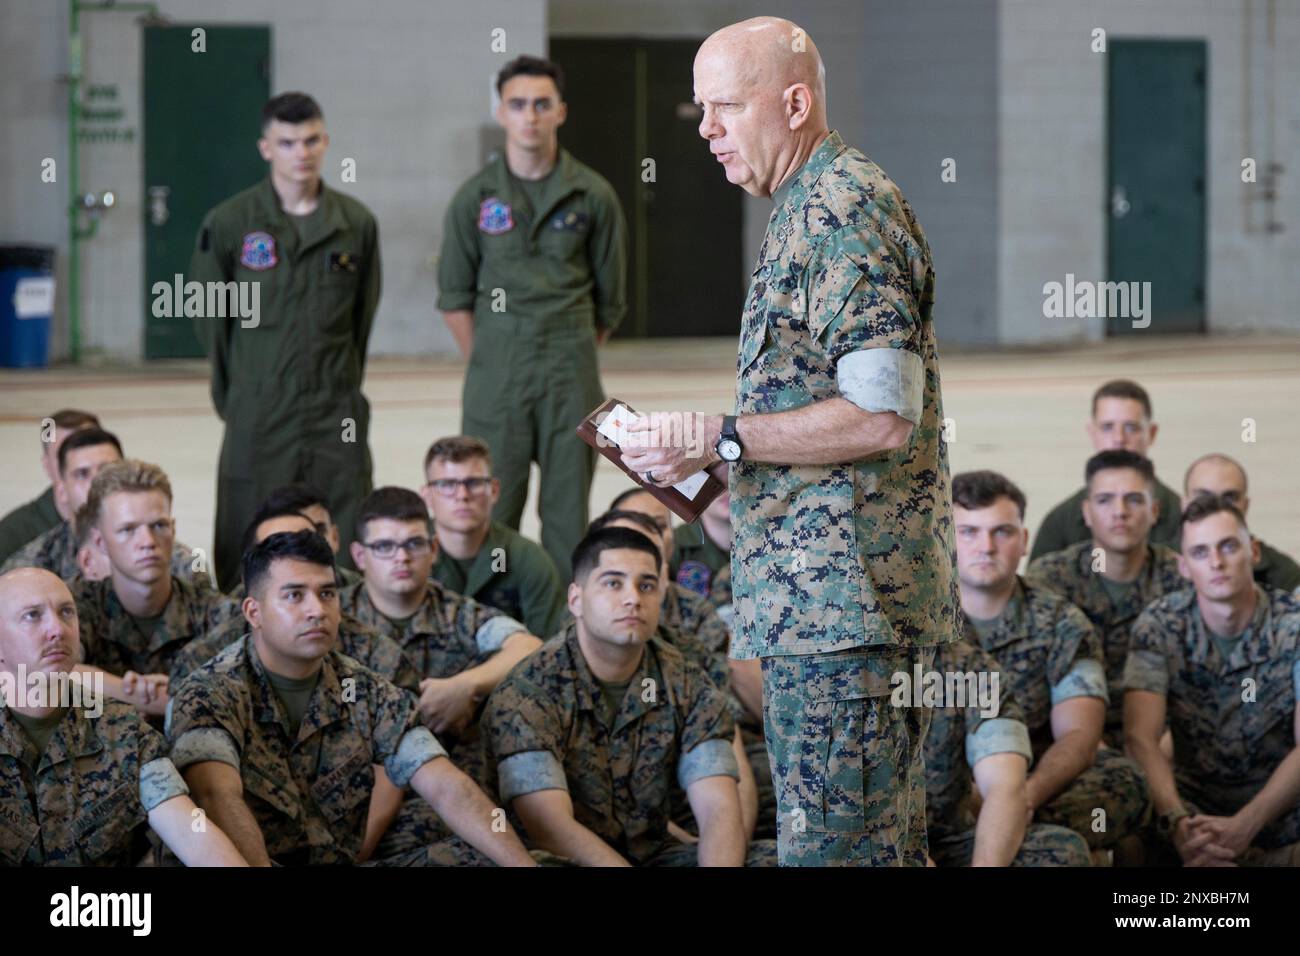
959	738
546	730
310	795
689	623
450	633
1049	653
1070	573
363	644
85	801
112	639
56	551
526	586
1225	747
844	573
684	612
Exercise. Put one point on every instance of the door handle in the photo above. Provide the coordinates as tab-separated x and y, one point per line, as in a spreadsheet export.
1119	204
158	211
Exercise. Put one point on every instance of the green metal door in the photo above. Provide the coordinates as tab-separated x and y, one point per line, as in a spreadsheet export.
630	101
201	118
1156	158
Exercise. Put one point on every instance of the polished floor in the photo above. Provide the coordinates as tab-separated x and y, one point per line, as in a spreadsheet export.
1021	412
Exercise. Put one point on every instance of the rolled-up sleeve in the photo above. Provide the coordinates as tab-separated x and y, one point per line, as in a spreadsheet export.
1146	670
417	747
1085	678
492	633
999	735
205	743
528	772
160	781
711	758
883	380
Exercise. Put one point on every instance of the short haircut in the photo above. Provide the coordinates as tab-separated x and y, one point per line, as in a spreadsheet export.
129	475
291	107
1119	458
1122	388
1214	456
635	517
1202	506
301	545
69	419
622	496
267	510
586	556
531	66
457	448
86	438
396	504
293	498
974	490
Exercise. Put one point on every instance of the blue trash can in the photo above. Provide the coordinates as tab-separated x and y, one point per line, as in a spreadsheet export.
26	305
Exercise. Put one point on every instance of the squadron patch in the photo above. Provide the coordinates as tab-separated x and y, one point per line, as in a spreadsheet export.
494	216
259	251
695	575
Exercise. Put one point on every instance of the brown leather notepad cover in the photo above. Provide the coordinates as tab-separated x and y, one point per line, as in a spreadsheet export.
688	509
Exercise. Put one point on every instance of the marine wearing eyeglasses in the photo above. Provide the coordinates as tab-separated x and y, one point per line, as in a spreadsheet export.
476	556
460	648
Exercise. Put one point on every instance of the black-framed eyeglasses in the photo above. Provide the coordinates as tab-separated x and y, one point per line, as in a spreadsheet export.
447	487
386	548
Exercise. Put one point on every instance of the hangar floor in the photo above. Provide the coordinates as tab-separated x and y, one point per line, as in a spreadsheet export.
1021	412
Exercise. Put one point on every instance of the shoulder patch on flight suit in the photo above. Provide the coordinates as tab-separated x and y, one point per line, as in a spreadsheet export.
344	262
494	216
259	251
695	575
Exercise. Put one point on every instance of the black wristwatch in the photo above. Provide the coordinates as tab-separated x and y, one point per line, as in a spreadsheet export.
1167	823
729	447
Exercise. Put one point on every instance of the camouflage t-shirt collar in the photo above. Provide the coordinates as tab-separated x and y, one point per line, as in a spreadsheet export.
588	689
1008	628
807	174
74	737
174	623
324	708
1256	642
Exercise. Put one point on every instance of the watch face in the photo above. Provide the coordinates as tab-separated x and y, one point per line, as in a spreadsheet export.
729	450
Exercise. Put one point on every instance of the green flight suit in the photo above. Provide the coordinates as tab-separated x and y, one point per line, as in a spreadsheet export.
28	522
512	574
540	283
289	388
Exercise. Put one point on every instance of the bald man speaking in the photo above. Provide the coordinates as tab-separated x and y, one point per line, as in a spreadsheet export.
843	563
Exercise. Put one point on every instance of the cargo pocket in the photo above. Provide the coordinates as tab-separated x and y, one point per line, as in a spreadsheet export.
851	743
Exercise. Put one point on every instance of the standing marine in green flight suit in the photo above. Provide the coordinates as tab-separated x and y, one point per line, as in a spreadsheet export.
533	267
287	381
